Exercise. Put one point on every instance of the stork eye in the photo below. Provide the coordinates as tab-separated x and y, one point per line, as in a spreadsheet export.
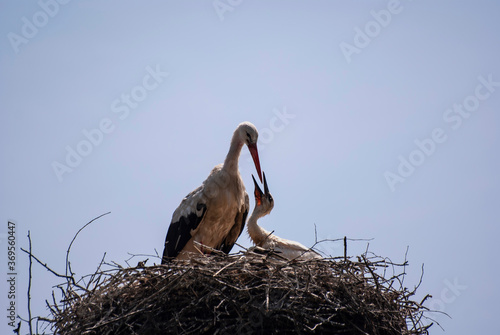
249	138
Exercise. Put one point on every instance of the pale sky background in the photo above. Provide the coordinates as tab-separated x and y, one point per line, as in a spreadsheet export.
332	126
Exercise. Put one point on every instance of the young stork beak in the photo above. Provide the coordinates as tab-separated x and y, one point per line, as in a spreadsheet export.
266	189
255	155
257	192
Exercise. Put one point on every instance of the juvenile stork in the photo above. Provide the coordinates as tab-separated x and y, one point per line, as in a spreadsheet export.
214	214
290	250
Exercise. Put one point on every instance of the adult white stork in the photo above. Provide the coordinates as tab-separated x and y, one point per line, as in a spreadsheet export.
290	250
214	214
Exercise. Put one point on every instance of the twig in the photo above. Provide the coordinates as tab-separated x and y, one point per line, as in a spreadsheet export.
91	280
404	266
315	234
199	247
225	267
52	271
18	329
68	267
345	248
342	238
132	256
29	286
371	271
242	247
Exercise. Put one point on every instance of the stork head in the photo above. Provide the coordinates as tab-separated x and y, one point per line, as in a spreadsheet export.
249	135
264	201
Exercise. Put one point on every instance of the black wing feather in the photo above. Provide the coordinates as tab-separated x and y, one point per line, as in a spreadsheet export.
179	232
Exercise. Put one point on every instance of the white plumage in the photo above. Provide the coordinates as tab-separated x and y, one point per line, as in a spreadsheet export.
288	249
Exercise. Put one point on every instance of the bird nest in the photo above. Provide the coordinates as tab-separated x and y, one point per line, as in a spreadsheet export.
243	293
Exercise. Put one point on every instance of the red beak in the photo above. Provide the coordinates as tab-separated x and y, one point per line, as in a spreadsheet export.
255	155
257	192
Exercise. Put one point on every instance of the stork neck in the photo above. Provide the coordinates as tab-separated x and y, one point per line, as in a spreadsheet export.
256	232
231	162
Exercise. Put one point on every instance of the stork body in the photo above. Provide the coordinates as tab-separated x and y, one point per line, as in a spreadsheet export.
288	249
214	214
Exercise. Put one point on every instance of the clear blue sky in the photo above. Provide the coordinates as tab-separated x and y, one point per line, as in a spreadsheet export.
378	119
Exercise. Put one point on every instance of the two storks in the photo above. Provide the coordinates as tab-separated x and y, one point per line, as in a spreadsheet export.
213	215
